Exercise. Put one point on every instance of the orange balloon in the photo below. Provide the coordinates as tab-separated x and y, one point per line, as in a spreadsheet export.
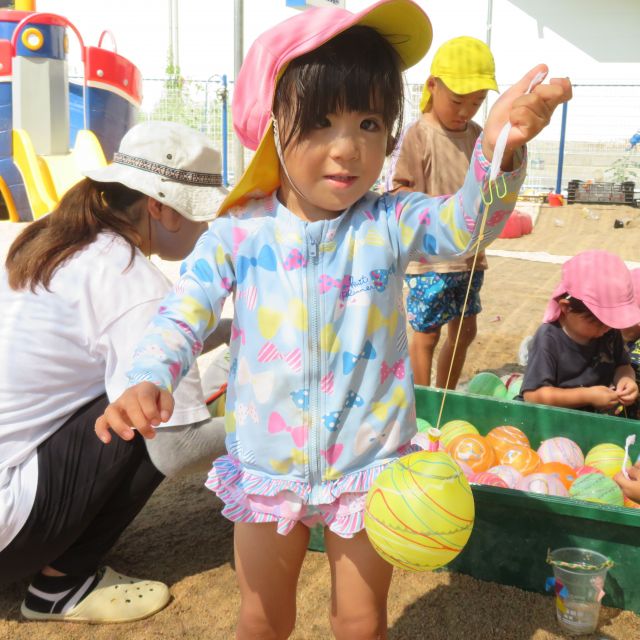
628	502
562	471
472	449
501	438
523	459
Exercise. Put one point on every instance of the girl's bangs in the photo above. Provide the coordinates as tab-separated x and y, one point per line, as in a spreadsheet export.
356	71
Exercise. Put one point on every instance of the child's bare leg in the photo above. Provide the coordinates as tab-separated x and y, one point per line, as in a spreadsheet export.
421	348
267	568
467	335
360	581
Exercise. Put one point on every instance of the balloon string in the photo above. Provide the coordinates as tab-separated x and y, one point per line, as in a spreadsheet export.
483	220
498	153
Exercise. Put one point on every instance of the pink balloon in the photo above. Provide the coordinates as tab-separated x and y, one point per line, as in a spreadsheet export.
582	471
510	475
543	483
490	479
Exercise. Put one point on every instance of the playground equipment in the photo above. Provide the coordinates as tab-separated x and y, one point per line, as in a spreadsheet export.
51	127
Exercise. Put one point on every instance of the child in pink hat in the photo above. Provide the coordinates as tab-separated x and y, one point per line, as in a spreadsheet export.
577	359
320	396
631	336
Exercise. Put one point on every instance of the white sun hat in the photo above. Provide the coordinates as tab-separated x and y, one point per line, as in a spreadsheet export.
172	163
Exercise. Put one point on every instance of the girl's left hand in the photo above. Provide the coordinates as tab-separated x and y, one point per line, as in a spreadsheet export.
528	113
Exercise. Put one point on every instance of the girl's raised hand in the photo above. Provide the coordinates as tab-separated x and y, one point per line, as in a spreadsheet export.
141	407
528	113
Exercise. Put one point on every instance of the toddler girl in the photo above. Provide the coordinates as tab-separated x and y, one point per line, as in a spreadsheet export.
320	396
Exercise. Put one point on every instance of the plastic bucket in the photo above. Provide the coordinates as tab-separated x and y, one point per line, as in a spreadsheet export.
579	576
555	199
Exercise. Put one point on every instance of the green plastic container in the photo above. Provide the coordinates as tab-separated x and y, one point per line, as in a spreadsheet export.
514	529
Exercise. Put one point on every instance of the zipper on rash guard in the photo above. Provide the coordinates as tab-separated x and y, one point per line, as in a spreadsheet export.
313	309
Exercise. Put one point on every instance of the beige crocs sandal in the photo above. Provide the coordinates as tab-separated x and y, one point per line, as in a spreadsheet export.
116	598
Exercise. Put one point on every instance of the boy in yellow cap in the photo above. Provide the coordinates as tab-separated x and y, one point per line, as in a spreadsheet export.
434	158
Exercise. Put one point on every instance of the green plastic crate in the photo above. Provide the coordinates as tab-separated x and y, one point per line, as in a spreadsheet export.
514	529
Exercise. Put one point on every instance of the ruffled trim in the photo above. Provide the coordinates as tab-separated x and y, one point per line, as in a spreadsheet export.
344	516
348	525
227	472
227	475
337	504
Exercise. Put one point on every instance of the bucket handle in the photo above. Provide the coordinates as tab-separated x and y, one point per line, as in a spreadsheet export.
607	564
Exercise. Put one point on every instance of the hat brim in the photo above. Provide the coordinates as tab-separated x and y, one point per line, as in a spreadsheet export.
408	30
403	24
193	202
622	317
260	178
461	87
470	84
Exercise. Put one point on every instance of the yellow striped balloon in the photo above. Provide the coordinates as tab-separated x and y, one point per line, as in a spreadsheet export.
420	511
453	429
606	457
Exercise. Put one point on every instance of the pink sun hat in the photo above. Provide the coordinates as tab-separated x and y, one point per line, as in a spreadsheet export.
635	278
602	281
401	22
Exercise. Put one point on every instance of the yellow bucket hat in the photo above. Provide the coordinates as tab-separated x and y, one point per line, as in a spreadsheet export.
402	22
465	65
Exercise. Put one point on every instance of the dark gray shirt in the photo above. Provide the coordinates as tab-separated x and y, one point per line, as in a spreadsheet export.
555	360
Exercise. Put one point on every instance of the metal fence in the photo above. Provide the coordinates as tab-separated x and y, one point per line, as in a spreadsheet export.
601	121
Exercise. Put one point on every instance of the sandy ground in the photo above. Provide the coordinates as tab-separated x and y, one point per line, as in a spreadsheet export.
180	537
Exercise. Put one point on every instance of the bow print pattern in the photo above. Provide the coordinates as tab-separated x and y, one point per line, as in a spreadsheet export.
377	320
262	383
401	342
373	238
388	438
277	424
239	452
237	333
397	369
238	235
380	278
270	320
329	340
332	454
349	360
249	295
284	236
326	283
269	353
295	260
332	420
245	412
425	217
297	458
326	383
266	260
398	399
300	398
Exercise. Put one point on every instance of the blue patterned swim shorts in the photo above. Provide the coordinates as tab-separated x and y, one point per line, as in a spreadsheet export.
434	299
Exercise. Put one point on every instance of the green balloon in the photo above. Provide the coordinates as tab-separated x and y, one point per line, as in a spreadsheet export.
487	384
514	388
423	424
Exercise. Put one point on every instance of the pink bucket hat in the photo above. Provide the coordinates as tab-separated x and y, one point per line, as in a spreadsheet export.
635	278
603	282
402	22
